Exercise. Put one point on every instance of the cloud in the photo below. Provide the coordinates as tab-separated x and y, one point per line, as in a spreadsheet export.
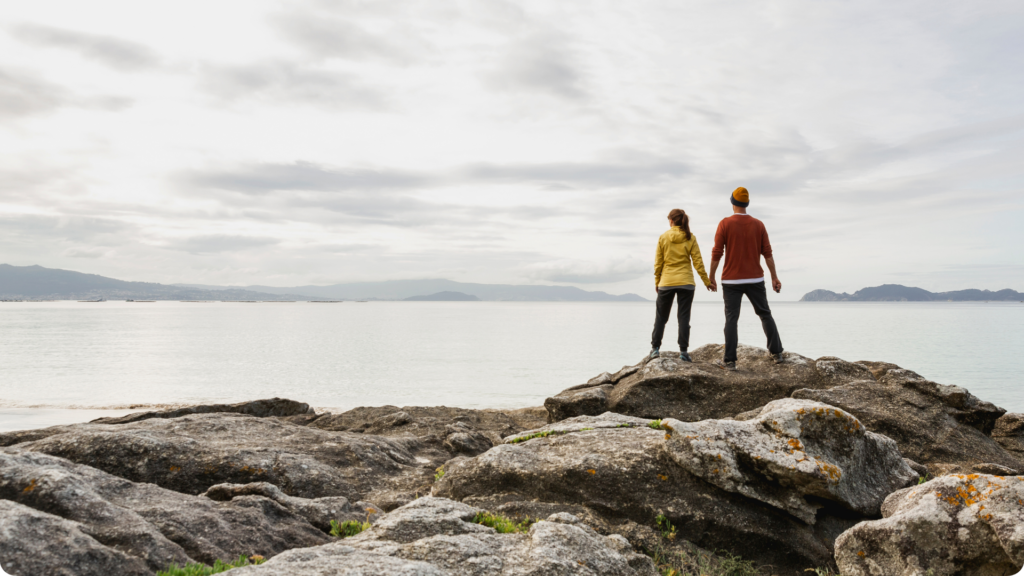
213	243
541	63
24	93
332	37
586	272
116	53
286	81
264	178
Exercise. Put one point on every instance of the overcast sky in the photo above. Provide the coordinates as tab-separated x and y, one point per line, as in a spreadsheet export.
317	142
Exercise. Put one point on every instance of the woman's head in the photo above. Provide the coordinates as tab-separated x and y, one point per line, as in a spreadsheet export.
680	219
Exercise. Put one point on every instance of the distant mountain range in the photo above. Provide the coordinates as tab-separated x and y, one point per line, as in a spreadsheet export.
444	297
898	293
38	283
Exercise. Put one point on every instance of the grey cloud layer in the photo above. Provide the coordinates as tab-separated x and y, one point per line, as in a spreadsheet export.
114	52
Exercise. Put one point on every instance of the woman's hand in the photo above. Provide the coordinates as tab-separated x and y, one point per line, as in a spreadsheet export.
713	286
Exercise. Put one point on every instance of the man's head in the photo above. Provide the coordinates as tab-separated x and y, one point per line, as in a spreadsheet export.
740	200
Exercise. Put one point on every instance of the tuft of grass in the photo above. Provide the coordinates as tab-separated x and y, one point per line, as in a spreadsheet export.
656	424
347	528
700	564
923	479
665	527
196	569
439	473
543	434
503	524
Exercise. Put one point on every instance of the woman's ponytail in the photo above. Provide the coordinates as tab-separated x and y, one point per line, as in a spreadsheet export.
679	218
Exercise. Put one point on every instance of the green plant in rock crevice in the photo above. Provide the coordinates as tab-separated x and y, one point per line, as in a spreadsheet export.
665	527
656	424
196	569
439	473
503	524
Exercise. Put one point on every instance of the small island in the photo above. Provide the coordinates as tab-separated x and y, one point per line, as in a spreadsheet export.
898	293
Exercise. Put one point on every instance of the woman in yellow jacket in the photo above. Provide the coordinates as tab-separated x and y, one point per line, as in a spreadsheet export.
673	278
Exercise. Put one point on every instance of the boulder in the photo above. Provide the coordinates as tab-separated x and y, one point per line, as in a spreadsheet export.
478	430
192	453
435	536
288	410
793	450
319	511
102	520
1008	432
970	525
667	387
618	476
34	542
931	423
258	408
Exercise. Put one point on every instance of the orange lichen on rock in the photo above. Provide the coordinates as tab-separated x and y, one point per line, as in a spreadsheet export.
31	486
591	471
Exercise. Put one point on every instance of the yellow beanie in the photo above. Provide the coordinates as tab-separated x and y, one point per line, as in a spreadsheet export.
740	197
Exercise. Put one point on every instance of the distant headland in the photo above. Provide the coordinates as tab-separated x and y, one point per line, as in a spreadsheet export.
898	293
38	283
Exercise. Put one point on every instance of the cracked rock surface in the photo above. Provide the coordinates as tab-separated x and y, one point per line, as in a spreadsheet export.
436	537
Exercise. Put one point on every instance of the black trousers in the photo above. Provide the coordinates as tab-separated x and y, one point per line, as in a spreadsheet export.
758	296
665	296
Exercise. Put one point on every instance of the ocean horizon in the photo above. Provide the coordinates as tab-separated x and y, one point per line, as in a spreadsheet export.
69	361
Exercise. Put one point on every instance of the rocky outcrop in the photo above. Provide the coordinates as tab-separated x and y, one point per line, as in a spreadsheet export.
319	511
272	407
434	424
258	408
192	453
793	450
970	525
931	423
1008	432
437	537
667	387
620	475
105	525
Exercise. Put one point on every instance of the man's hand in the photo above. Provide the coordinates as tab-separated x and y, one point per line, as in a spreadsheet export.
713	286
776	284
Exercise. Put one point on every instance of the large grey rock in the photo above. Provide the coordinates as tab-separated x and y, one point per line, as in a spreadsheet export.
435	536
622	475
103	519
272	407
192	453
1008	432
319	511
667	387
793	450
931	423
969	525
34	542
260	408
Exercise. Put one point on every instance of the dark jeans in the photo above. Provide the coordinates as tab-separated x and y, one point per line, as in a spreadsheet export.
758	296
665	296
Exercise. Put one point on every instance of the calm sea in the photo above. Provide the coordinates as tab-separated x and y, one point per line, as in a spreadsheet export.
64	361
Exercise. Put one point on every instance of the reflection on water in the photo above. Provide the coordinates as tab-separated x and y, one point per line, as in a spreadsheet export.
471	354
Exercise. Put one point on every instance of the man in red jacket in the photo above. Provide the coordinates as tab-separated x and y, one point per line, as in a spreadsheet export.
743	239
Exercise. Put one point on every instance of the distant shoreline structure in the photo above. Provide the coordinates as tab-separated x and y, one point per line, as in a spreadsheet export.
900	293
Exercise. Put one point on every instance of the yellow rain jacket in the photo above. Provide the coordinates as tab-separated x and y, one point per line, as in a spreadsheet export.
673	258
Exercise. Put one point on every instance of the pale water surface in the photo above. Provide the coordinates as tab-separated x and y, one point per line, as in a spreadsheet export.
55	356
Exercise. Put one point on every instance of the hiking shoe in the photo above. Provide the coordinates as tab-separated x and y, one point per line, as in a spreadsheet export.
778	358
685	357
730	366
654	354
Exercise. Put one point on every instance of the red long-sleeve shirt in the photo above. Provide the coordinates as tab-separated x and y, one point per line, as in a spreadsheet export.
743	239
